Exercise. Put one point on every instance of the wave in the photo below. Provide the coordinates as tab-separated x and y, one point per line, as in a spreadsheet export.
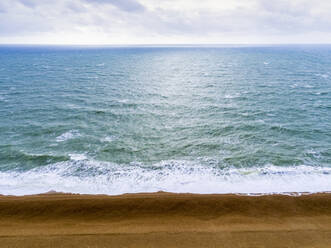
3	99
109	138
68	135
325	76
22	160
77	156
83	175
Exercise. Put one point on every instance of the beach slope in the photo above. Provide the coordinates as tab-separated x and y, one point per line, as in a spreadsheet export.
165	220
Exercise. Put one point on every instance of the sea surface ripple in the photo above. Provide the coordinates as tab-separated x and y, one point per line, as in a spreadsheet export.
115	120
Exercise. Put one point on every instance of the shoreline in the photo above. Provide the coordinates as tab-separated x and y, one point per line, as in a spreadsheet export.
285	193
165	220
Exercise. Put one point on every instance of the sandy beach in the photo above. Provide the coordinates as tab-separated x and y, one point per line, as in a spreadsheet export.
165	220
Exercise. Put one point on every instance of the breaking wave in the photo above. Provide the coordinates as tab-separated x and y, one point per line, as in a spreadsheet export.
82	175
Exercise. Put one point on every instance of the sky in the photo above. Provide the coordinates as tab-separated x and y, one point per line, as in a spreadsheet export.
125	22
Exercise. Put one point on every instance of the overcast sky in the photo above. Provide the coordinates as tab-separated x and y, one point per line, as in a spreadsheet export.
164	21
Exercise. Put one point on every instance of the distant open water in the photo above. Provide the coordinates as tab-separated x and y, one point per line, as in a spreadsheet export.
137	119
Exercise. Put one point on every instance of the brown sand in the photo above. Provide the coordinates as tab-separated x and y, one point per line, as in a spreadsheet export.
165	220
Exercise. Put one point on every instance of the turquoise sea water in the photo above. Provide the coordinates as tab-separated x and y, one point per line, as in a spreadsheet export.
182	119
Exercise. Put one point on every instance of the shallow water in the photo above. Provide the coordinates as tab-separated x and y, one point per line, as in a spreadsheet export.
205	120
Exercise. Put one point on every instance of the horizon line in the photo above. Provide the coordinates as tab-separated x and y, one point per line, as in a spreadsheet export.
165	45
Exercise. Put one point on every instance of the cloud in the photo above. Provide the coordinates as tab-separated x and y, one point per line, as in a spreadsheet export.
166	21
28	3
125	5
2	8
296	16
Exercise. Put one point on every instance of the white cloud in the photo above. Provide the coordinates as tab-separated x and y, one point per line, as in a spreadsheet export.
125	5
166	21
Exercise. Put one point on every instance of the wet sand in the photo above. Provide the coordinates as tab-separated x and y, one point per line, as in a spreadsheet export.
165	220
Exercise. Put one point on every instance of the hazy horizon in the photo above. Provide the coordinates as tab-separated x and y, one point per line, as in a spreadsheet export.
207	45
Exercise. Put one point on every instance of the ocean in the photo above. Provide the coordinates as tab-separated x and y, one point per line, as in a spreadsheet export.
113	120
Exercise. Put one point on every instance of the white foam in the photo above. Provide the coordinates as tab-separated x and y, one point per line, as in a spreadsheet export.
68	135
77	157
229	96
93	177
325	76
109	138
